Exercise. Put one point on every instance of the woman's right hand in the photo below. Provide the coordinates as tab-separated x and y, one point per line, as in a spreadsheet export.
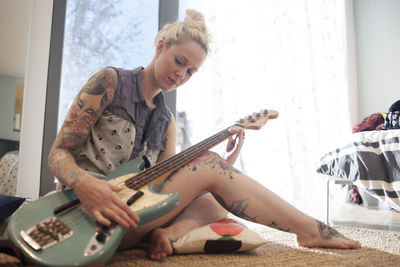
101	202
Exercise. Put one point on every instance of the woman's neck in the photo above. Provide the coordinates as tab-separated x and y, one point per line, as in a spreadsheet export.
149	85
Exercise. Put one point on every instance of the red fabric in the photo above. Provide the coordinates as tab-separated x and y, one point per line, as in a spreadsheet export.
373	122
353	196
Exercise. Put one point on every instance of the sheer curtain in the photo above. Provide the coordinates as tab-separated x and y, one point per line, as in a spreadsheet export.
277	54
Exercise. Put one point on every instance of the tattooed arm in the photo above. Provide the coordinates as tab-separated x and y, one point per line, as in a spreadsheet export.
96	195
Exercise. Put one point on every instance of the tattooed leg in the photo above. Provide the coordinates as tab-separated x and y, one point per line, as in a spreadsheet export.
249	200
246	198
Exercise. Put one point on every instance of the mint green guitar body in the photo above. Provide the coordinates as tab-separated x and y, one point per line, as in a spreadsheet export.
70	252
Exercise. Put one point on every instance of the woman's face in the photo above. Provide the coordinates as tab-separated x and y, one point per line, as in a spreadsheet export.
175	64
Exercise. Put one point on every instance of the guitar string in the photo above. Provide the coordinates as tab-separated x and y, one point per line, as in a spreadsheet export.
145	178
181	158
154	171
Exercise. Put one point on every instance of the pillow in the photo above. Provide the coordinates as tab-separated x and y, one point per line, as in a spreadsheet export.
224	236
8	204
371	160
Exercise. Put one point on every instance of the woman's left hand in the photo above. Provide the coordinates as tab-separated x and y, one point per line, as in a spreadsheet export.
237	132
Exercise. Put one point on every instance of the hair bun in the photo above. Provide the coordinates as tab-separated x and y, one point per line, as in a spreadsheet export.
195	19
192	28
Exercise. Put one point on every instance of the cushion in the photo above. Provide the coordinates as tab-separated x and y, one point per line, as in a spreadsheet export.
8	173
371	160
8	204
224	236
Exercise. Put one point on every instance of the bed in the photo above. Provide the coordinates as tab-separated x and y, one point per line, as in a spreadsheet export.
371	161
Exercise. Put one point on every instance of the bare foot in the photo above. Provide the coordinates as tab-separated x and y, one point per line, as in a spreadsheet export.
160	244
326	237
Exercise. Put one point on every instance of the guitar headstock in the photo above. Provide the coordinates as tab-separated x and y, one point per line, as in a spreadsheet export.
257	120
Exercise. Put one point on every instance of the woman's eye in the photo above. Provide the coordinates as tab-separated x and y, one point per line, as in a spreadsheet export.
178	62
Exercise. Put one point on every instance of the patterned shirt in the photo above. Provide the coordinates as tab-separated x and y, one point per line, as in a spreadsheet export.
120	133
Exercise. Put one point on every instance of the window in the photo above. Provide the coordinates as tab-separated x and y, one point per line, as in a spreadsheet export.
284	55
115	33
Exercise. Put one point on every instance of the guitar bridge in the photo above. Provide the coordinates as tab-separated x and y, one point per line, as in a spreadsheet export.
46	233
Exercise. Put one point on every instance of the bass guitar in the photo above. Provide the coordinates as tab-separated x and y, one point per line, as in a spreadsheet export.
56	230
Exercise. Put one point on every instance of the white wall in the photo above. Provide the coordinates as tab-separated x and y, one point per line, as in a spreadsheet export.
34	99
377	24
7	105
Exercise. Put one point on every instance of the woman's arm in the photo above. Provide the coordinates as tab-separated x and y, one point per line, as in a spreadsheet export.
96	195
169	142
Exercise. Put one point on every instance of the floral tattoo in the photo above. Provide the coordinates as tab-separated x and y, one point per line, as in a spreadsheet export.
238	207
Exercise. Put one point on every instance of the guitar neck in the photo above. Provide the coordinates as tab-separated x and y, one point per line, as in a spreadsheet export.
180	159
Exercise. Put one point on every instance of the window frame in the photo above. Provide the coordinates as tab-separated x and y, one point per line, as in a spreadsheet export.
168	12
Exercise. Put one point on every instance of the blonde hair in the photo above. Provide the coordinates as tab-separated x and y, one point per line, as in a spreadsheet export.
192	28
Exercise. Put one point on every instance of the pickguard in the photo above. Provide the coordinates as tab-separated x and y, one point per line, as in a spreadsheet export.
148	200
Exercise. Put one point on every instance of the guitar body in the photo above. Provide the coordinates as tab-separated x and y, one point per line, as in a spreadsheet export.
81	247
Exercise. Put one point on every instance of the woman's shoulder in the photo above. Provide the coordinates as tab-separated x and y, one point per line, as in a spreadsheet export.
110	75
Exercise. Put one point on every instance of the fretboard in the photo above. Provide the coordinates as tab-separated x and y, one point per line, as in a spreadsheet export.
147	176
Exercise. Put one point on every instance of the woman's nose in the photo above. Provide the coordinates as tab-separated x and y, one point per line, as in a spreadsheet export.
180	74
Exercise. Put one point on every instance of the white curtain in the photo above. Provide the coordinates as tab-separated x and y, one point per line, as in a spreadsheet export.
287	55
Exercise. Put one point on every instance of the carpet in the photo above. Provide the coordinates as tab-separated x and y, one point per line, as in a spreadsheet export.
378	249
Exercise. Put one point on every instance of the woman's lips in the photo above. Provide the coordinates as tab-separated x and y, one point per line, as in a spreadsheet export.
171	81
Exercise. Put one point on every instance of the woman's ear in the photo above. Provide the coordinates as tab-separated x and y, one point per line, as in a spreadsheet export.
160	46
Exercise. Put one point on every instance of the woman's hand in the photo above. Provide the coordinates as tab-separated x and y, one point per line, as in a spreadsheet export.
237	132
99	199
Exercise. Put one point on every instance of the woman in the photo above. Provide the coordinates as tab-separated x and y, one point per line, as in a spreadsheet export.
120	115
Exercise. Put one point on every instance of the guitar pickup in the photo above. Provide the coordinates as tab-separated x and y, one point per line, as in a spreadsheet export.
135	197
46	233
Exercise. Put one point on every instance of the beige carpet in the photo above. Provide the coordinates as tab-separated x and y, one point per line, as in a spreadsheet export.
379	249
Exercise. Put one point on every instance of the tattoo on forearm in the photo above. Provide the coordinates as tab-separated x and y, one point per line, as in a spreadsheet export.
238	207
213	161
327	232
273	224
60	163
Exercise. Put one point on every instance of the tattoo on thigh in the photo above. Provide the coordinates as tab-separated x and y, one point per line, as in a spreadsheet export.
214	162
327	232
169	177
238	207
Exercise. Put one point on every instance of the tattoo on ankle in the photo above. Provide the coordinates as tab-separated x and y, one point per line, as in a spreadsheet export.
273	224
237	207
327	232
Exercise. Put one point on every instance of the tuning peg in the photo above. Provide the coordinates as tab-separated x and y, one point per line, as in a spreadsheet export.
241	121
258	114
265	111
